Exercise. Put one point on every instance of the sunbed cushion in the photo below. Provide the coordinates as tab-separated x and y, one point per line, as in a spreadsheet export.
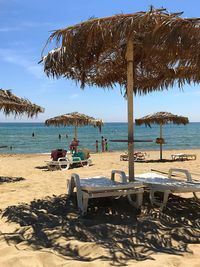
79	154
159	181
103	183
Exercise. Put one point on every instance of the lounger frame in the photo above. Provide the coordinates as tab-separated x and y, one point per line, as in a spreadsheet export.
65	163
114	189
177	186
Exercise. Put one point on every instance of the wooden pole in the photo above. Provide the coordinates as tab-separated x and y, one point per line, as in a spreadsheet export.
130	86
75	132
161	136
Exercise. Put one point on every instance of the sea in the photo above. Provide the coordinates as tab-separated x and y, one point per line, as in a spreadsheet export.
18	138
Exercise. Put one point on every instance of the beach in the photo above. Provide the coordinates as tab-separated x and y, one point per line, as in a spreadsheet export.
36	235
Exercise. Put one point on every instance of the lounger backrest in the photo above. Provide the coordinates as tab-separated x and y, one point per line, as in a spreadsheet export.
78	155
86	153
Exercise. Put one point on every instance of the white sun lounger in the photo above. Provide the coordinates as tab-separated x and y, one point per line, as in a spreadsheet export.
183	156
100	186
159	183
138	156
65	163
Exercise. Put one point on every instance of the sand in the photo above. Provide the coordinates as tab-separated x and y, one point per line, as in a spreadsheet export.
40	227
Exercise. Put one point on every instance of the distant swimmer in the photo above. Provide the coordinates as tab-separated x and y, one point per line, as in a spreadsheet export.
66	135
33	134
59	136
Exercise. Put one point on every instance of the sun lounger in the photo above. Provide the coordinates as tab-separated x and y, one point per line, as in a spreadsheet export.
66	163
60	164
76	159
100	186
159	183
138	156
183	156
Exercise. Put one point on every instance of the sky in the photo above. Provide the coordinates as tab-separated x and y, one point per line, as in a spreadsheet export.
25	26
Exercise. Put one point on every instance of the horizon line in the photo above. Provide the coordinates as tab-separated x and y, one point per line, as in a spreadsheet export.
104	122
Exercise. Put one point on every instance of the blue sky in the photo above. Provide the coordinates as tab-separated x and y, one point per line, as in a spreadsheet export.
25	26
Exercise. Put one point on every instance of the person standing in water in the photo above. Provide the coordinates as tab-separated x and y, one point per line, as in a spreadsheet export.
59	136
102	144
33	134
106	145
97	146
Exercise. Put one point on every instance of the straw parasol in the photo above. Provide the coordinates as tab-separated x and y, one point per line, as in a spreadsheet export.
12	104
161	118
141	52
76	119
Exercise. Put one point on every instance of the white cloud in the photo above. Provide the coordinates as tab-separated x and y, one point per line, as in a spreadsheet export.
36	70
25	26
73	96
21	59
9	29
189	92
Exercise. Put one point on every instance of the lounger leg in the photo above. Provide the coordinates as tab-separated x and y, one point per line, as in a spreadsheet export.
80	200
165	199
153	200
85	203
70	186
81	197
152	197
138	202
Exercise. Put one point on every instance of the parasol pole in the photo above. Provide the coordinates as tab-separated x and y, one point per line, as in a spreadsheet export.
130	86
161	136
75	132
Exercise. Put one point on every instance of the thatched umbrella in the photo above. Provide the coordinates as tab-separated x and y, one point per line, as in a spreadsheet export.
161	118
75	119
142	52
12	104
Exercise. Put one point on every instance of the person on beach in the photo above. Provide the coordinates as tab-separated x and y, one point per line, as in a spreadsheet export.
97	146
58	153
73	145
102	144
106	145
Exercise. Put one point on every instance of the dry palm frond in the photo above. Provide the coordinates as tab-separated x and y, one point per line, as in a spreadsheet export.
161	118
75	119
166	51
12	104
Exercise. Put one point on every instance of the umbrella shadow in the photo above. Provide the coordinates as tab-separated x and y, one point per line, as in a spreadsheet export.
45	168
41	167
156	161
113	225
6	179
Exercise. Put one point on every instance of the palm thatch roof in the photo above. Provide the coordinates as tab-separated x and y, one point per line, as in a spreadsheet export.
75	119
166	51
161	118
12	104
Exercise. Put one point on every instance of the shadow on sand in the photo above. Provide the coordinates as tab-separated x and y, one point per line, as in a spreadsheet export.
158	160
5	179
72	166
113	225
